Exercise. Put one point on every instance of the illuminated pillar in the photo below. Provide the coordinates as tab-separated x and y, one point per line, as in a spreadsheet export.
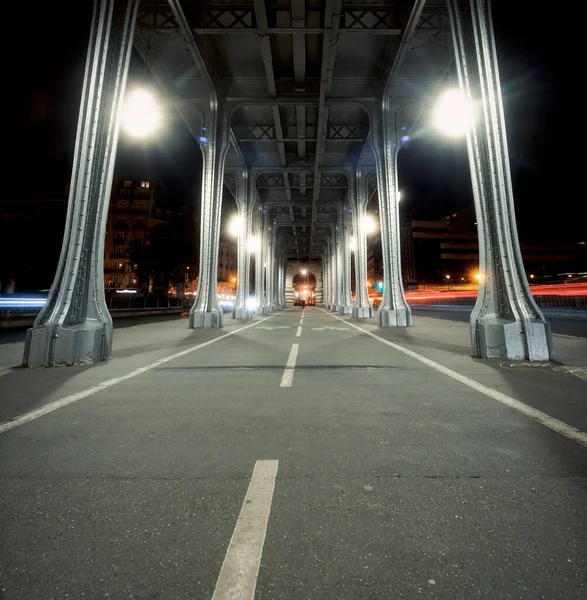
359	198
243	200
346	303
394	310
505	322
206	311
74	326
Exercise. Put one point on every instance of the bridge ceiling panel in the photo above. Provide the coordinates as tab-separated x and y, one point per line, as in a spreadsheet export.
286	62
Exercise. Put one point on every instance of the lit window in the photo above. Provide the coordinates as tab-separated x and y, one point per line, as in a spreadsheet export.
144	184
127	183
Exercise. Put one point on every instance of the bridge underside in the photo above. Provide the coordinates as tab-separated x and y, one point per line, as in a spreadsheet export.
300	108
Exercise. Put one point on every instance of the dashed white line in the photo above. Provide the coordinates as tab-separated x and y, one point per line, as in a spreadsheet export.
554	424
287	378
238	575
48	408
299	331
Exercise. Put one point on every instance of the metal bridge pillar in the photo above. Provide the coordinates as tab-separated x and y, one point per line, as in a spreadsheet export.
260	258
359	197
243	199
75	326
506	322
337	275
206	312
346	305
327	276
271	265
394	310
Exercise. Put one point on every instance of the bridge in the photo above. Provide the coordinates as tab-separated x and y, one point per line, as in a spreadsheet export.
339	451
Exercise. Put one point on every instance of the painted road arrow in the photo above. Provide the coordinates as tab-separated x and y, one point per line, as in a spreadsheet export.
330	328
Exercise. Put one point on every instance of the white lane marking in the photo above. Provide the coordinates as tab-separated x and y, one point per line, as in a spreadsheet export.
287	378
299	331
238	575
570	337
48	408
554	424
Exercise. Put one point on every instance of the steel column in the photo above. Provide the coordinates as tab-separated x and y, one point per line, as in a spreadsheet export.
240	310
206	311
505	322
346	305
394	310
362	308
75	326
261	303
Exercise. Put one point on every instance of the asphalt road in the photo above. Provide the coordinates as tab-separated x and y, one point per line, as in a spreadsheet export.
355	469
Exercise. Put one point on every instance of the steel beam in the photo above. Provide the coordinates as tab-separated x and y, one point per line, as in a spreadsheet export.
74	326
329	42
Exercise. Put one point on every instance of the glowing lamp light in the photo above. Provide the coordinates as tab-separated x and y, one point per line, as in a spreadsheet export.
142	115
253	244
368	224
236	226
453	113
303	271
252	304
353	244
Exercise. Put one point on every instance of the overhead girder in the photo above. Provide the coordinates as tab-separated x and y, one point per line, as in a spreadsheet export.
289	125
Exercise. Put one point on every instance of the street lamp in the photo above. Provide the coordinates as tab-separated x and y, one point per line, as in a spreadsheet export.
141	116
453	113
368	224
236	226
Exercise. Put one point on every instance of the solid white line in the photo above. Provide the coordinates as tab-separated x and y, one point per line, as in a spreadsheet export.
299	331
554	424
238	575
48	408
287	378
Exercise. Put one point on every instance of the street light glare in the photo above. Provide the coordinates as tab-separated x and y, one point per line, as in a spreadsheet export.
353	244
369	225
141	113
253	244
453	114
236	226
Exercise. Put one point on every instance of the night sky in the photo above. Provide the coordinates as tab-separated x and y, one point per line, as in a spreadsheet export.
433	174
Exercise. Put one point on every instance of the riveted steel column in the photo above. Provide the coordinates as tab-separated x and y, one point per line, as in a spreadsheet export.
270	261
337	234
346	304
327	276
240	310
362	308
506	322
75	327
394	310
261	303
206	312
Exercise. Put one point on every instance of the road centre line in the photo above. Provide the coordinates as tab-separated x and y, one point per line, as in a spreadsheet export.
238	575
57	404
299	331
551	422
287	377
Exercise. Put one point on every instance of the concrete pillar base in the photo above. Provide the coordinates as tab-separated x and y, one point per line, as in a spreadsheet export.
346	310
242	313
362	312
389	317
261	310
206	320
66	345
499	338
